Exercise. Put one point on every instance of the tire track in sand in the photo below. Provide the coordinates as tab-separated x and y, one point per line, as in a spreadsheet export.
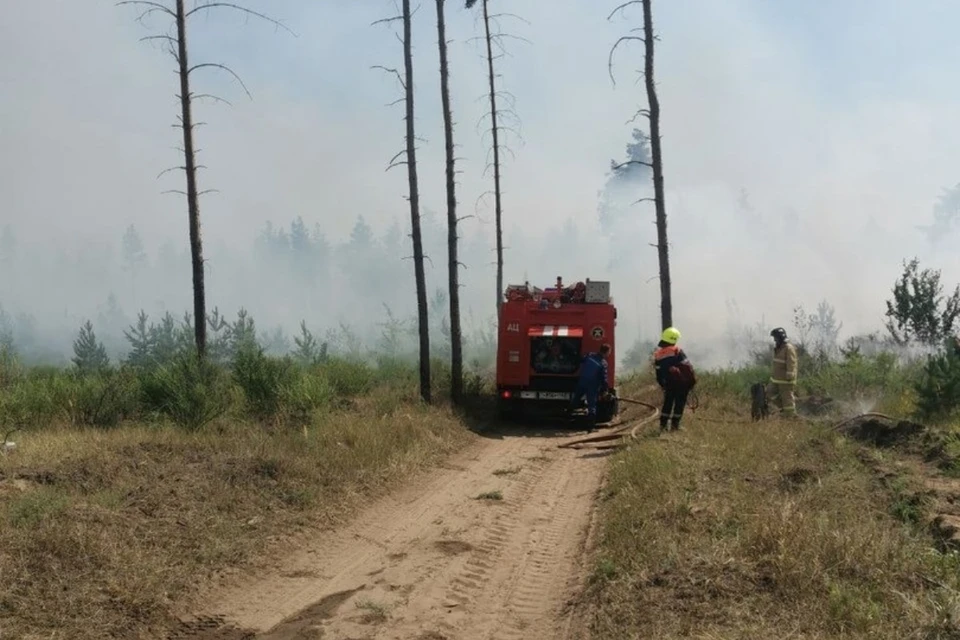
432	561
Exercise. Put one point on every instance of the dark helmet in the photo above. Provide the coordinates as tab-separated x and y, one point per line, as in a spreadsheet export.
779	334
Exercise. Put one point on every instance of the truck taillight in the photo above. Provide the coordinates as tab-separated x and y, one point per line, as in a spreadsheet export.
505	394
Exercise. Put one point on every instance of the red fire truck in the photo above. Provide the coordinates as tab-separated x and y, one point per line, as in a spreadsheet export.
543	336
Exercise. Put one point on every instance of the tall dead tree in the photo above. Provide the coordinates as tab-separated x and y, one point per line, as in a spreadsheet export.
177	47
495	132
453	264
653	116
406	82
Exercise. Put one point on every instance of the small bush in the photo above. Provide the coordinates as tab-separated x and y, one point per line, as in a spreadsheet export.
265	381
349	378
104	399
189	392
938	390
308	392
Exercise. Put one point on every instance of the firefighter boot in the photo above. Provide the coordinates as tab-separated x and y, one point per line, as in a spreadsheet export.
675	424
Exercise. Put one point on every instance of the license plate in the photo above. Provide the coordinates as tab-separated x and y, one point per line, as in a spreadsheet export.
554	395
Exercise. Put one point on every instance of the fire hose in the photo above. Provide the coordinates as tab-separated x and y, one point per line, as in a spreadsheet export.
624	428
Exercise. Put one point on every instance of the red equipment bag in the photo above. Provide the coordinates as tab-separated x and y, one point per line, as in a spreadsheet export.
682	376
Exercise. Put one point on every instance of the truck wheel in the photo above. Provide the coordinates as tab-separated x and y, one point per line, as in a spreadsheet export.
509	411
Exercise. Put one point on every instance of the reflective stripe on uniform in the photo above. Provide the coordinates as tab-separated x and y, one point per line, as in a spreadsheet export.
775	381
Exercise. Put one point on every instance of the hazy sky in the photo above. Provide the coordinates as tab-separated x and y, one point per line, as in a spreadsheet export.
843	112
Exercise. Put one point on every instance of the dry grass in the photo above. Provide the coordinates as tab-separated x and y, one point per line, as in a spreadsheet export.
103	534
777	530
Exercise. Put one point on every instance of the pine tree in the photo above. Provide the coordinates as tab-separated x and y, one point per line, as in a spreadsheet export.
90	356
243	334
938	391
308	352
169	340
218	347
142	339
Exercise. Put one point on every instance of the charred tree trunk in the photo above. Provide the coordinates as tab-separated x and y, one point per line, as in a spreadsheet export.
193	201
495	131
453	264
415	207
666	301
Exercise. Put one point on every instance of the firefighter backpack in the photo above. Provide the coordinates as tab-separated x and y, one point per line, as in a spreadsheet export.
682	375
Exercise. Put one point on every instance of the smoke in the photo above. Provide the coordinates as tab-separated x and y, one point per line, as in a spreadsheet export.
803	148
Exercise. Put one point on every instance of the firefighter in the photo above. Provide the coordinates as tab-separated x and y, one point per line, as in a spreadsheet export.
783	381
675	376
592	382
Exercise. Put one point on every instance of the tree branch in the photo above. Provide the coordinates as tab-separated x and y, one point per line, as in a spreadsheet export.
386	21
222	67
210	96
236	7
640	112
154	6
170	39
617	167
393	71
622	7
613	50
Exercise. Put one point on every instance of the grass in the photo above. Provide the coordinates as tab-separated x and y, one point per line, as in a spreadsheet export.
738	530
490	495
373	612
509	471
106	532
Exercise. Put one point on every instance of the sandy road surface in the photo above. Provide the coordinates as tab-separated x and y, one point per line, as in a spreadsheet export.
433	562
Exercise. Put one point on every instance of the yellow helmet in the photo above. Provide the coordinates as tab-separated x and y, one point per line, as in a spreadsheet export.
670	335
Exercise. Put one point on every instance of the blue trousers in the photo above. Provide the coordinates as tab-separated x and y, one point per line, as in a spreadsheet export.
592	393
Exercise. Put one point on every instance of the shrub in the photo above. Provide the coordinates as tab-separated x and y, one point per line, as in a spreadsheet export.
264	380
938	390
348	378
103	399
188	391
308	391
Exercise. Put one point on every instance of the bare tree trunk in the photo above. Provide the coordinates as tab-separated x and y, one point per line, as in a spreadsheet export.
453	264
496	155
193	202
666	300
415	208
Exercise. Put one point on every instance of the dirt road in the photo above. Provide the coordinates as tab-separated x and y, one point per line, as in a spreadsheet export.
488	547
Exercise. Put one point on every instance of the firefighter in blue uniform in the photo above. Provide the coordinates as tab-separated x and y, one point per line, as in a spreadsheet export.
593	381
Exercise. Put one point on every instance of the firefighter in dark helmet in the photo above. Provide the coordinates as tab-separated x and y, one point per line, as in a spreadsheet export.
675	376
783	379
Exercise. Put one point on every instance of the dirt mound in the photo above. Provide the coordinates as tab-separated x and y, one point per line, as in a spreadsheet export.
883	434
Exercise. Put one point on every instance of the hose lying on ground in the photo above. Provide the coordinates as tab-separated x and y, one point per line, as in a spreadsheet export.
624	428
634	424
870	414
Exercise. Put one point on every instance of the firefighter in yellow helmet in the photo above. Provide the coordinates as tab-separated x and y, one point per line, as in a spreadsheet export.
675	376
783	381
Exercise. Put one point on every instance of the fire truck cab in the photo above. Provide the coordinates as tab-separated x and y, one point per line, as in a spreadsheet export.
542	338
